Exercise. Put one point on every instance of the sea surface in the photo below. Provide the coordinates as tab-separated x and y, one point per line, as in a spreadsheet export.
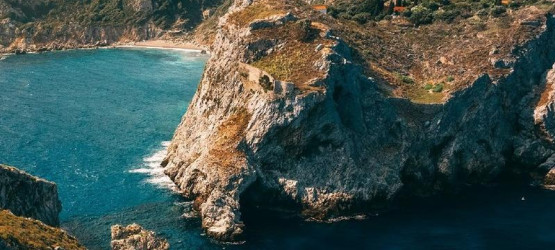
97	122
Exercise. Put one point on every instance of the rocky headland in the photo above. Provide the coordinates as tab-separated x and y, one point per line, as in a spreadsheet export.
297	110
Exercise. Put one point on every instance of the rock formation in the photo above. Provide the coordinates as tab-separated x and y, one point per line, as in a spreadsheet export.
25	233
29	196
134	237
318	136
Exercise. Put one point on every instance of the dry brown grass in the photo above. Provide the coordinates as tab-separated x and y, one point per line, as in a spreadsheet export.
33	234
295	60
544	98
430	53
258	10
225	150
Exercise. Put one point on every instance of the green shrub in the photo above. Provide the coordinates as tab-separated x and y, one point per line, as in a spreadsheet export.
498	11
428	86
446	16
407	79
421	15
482	13
344	15
438	88
362	18
450	78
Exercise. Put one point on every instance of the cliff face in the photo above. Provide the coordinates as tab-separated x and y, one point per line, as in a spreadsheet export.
327	141
29	196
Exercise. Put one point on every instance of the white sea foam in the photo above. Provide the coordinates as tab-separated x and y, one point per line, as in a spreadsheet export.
152	166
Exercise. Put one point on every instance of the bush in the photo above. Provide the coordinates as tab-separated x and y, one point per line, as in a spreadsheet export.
407	79
438	88
450	78
344	15
421	15
498	11
428	86
362	18
482	13
446	16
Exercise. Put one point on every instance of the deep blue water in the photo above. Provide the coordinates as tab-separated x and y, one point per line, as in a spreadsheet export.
93	121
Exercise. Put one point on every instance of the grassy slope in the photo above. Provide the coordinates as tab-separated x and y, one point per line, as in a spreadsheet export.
23	233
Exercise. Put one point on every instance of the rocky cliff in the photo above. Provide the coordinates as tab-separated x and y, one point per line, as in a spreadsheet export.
29	196
284	115
134	237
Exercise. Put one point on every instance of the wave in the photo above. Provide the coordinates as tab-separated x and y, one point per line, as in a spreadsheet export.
152	166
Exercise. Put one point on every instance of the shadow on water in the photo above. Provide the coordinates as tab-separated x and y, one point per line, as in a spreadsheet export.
479	218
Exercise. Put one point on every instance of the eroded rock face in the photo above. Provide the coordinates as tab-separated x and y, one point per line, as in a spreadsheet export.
340	146
134	237
29	196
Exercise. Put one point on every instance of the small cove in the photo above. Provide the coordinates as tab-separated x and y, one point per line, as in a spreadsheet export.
96	122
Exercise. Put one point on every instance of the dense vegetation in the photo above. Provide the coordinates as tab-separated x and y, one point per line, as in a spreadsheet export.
420	12
180	14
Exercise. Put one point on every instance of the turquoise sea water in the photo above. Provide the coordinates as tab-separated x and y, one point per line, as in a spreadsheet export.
95	122
89	120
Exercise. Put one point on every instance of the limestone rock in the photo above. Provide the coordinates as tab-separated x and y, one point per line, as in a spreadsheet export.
134	237
29	196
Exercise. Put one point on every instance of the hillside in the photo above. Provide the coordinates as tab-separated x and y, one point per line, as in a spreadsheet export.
40	25
24	233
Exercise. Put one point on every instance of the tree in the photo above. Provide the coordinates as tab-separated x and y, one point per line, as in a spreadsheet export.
390	7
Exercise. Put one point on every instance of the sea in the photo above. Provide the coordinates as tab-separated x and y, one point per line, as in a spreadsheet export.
98	122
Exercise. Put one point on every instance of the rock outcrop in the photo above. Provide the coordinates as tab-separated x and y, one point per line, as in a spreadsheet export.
334	143
25	233
29	196
134	237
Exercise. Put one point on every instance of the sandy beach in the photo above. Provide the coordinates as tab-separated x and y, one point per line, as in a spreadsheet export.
163	44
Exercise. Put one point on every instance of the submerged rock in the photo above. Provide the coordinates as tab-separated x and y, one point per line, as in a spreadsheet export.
134	237
29	196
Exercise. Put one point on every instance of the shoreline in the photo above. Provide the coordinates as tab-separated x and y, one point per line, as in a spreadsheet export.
163	44
147	44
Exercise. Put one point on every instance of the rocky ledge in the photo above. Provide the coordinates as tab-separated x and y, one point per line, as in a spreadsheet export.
134	237
29	196
317	136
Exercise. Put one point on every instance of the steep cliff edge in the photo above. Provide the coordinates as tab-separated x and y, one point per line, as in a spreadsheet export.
29	196
285	116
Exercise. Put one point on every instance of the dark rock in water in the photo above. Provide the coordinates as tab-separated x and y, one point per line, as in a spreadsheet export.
25	233
137	238
29	196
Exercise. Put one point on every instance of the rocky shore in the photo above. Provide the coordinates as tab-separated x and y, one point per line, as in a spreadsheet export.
134	237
